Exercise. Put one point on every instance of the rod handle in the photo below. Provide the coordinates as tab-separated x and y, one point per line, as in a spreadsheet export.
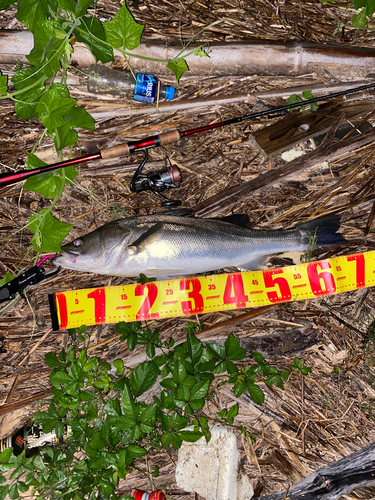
115	151
170	137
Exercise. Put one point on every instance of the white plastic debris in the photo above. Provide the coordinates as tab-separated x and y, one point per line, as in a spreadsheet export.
292	154
213	469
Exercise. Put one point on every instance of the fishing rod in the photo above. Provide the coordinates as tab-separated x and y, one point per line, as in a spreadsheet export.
170	177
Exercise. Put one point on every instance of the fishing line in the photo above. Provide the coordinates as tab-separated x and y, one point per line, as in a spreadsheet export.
171	137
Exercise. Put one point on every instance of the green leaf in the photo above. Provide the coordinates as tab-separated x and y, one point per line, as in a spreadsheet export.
13	492
50	62
179	372
200	52
4	4
49	232
112	408
305	370
79	117
298	362
53	105
78	7
150	350
63	137
86	396
233	350
197	404
220	368
52	410
199	390
32	12
8	277
4	490
166	439
217	350
143	377
136	451
191	436
123	31
360	19
285	374
183	393
3	84
119	365
143	279
233	412
48	184
231	368
148	414
92	25
238	388
129	408
5	455
168	383
51	359
178	67
256	393
59	377
258	357
176	440
23	487
194	346
34	84
307	94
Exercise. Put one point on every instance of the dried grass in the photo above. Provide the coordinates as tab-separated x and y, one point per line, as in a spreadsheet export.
308	425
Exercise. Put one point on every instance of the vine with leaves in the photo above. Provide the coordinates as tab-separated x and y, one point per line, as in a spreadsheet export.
56	25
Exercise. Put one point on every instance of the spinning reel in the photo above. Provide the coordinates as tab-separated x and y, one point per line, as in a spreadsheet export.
157	181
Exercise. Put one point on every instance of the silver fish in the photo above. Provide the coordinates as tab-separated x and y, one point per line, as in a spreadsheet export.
167	245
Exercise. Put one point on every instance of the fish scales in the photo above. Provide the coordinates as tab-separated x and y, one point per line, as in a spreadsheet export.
167	245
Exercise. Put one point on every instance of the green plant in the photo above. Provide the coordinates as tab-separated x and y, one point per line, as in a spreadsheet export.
365	8
306	257
111	428
306	94
55	25
298	366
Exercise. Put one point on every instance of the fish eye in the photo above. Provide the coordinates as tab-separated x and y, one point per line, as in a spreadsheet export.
77	243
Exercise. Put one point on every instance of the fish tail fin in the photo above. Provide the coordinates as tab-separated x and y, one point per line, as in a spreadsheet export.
324	230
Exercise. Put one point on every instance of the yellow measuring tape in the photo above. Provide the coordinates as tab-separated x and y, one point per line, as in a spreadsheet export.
186	296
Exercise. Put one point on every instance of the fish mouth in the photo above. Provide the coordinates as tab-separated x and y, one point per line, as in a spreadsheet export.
66	258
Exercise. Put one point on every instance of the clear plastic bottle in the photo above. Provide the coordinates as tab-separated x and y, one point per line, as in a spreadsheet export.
145	88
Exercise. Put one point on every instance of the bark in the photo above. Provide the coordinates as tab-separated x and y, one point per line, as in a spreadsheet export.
337	479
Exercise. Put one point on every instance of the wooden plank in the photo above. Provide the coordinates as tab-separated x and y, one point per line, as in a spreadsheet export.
298	127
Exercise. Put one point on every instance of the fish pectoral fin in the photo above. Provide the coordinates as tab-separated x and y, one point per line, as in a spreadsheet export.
254	264
148	237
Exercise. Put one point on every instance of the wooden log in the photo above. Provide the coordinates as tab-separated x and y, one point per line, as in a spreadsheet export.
335	480
298	127
236	58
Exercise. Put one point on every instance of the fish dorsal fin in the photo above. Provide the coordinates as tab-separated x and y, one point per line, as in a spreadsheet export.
148	237
241	220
